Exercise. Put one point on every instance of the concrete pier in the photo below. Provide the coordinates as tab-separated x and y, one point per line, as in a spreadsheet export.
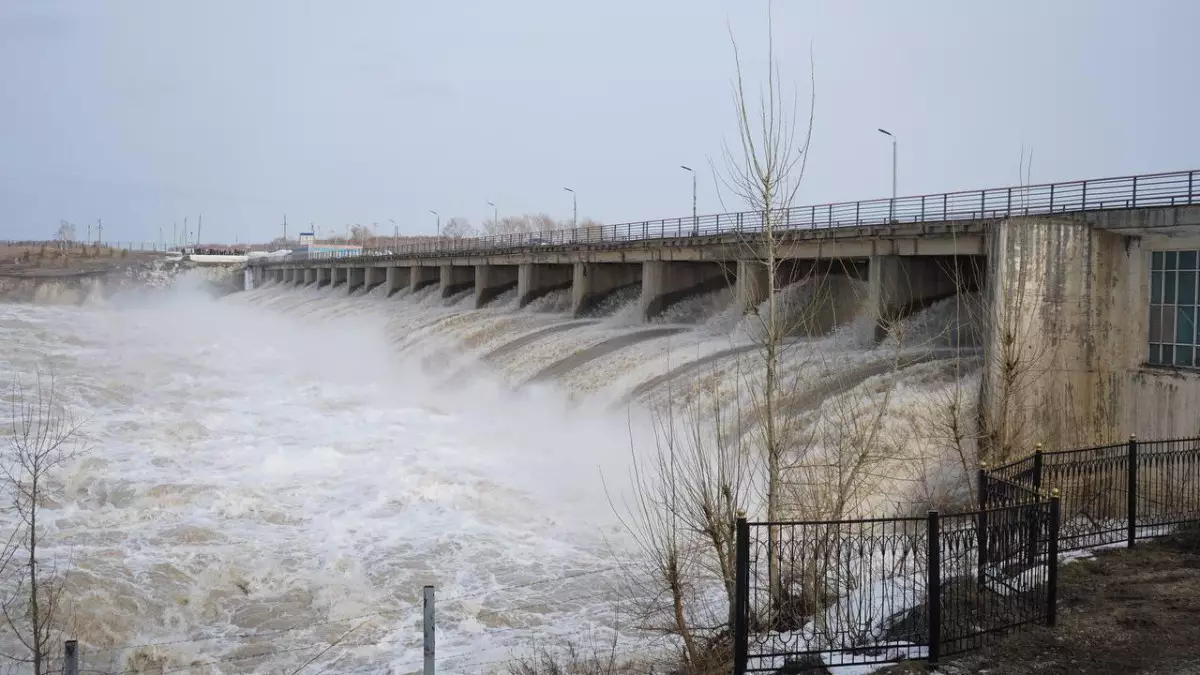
337	276
901	285
591	282
324	276
753	277
396	279
534	281
664	283
420	277
455	279
310	275
492	280
356	277
372	277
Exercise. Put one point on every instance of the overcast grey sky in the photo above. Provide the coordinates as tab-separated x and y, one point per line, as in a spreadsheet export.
143	112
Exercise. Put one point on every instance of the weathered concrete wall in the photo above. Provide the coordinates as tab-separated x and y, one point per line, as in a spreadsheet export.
492	280
1066	342
455	279
420	277
1037	381
397	279
534	281
590	282
664	283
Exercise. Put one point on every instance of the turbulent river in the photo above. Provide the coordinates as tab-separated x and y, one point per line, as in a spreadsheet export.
276	470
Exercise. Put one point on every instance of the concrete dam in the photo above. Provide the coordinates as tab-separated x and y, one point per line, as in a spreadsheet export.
1047	303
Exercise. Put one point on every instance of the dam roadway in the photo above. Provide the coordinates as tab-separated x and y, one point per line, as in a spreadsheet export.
1069	263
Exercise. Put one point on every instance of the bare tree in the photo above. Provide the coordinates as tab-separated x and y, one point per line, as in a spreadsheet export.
508	225
544	222
765	172
65	235
44	437
457	228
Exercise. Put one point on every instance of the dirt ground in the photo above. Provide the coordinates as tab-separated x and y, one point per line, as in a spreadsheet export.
1123	611
34	261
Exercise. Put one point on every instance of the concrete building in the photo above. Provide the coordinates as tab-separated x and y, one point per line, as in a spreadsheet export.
1090	303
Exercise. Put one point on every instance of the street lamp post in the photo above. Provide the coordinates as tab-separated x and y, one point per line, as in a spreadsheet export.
892	204
439	223
395	236
495	217
574	209
695	220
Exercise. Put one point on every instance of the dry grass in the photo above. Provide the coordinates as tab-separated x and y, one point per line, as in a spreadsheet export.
47	259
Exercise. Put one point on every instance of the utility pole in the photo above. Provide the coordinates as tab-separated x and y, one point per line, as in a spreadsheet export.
184	236
574	209
100	230
285	229
199	224
175	234
89	239
161	244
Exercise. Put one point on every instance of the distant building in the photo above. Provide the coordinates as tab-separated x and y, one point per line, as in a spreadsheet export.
309	247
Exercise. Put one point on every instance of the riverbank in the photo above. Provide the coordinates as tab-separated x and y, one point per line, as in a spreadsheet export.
1122	611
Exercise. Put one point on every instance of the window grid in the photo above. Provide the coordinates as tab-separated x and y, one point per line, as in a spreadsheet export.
1174	301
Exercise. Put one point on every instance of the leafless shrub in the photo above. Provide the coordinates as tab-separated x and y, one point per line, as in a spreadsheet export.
43	438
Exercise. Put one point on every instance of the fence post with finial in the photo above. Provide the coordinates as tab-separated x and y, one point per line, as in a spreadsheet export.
1131	473
981	527
741	594
1037	467
1052	560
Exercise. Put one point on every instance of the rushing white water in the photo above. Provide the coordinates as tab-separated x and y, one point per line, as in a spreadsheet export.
253	472
269	471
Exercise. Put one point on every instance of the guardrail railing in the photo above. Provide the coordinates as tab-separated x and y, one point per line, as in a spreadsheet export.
1096	194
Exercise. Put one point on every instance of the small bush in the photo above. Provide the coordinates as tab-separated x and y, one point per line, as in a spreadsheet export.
569	659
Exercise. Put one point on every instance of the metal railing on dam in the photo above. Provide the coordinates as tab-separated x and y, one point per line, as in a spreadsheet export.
1097	194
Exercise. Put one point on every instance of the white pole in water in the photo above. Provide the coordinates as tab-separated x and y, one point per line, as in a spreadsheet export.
428	625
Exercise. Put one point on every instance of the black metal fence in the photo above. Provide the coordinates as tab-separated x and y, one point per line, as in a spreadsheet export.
1098	194
1113	494
855	592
